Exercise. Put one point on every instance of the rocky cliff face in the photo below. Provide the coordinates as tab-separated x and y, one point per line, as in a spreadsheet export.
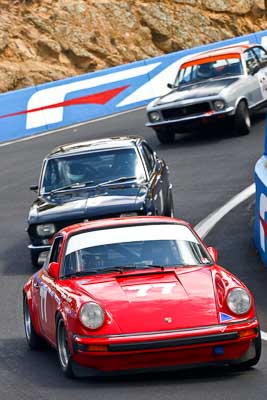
46	40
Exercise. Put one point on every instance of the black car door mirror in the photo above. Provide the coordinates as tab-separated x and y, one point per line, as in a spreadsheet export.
170	86
158	165
34	188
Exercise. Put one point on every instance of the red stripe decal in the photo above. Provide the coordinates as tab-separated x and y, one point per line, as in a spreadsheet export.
264	225
97	98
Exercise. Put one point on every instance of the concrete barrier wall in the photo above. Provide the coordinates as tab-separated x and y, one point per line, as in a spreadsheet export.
70	101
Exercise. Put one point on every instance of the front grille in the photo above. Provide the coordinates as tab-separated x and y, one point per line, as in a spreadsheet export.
187	111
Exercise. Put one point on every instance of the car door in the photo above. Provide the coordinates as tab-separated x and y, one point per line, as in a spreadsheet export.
261	56
253	85
157	178
48	297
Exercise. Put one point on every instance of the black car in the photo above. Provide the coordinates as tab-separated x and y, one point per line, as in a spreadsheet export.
105	178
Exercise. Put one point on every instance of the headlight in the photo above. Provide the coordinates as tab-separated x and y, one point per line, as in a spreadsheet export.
154	116
46	230
239	301
92	315
129	214
219	105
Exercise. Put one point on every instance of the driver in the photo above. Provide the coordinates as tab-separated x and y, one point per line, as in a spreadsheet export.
205	71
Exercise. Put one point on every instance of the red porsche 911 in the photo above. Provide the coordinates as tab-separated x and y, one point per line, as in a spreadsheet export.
138	294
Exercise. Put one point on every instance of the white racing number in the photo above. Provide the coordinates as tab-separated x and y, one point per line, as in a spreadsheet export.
43	297
142	290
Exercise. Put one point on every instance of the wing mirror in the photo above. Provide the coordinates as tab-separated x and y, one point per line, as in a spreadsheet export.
255	69
213	253
170	86
34	188
53	270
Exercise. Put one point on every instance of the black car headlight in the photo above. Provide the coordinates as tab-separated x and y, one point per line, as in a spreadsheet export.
45	230
239	301
154	116
219	105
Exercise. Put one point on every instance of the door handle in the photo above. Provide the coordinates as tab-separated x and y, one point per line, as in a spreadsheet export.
36	285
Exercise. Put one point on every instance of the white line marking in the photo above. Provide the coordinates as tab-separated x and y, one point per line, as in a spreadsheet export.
205	226
37	135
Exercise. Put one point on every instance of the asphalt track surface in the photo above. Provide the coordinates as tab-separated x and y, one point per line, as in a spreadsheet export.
206	172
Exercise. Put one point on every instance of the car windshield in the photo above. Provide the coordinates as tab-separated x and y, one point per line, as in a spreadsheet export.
211	67
90	169
133	247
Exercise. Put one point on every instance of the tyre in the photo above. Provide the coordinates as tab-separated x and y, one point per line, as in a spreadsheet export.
34	260
63	350
165	136
242	121
170	208
253	361
34	341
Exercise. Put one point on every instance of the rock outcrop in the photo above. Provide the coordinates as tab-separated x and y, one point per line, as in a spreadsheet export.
46	40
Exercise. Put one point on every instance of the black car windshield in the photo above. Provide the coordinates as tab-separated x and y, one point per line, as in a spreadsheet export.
132	248
92	168
210	68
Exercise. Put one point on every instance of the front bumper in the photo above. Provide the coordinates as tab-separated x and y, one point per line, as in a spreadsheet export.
220	344
193	121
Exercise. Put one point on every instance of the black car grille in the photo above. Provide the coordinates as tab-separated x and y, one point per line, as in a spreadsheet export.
187	111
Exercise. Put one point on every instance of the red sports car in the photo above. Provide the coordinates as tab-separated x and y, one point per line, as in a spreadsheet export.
138	294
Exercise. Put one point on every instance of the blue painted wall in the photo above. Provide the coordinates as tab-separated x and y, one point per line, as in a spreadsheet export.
70	101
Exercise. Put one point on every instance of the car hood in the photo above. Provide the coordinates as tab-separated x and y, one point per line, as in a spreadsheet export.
198	90
156	301
87	203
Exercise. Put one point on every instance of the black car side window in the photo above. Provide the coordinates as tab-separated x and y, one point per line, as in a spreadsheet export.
148	157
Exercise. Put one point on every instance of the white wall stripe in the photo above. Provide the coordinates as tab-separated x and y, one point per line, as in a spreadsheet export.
205	226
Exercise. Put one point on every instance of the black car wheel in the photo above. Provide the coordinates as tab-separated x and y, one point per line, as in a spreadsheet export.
253	361
63	349
34	341
242	121
170	207
34	260
165	136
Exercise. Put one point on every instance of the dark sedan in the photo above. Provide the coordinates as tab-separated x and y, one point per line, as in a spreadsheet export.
113	177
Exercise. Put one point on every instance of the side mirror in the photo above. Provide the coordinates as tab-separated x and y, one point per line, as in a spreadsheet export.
34	188
53	270
213	253
158	165
170	85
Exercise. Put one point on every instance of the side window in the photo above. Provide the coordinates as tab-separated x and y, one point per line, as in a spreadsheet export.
261	55
55	250
251	61
148	157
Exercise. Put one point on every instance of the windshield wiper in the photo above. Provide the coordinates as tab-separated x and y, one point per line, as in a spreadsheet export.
78	185
81	273
117	180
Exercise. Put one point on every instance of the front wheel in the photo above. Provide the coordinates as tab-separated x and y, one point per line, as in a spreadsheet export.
242	121
170	207
165	136
63	349
34	341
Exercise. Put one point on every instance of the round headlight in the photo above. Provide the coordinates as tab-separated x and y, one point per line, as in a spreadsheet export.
92	315
46	229
154	116
219	105
239	301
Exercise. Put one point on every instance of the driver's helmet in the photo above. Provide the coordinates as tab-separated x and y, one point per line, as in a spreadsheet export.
205	70
74	171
